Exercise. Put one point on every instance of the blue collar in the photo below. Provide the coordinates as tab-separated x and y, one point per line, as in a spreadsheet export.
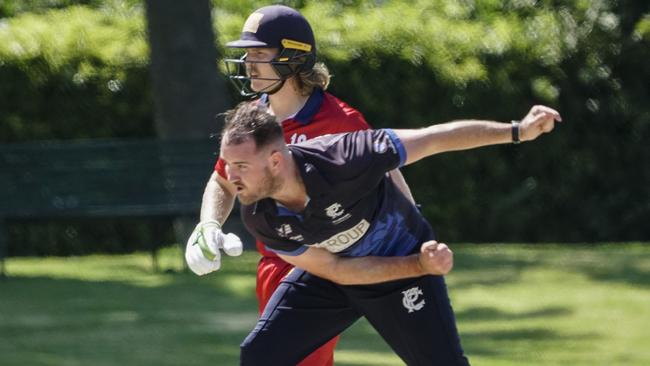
309	110
311	107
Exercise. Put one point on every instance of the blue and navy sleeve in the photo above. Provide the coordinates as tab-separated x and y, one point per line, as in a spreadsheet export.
290	251
259	228
368	155
397	145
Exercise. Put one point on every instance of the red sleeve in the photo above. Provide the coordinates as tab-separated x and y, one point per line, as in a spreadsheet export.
358	122
353	121
220	168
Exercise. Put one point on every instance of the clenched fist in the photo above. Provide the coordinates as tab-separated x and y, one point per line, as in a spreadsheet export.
540	119
436	258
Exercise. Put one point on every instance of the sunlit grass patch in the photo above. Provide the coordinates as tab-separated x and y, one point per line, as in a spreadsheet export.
515	305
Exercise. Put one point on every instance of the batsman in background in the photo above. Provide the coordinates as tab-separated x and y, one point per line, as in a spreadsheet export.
280	68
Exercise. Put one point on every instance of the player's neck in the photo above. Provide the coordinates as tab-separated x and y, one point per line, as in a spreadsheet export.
286	102
292	194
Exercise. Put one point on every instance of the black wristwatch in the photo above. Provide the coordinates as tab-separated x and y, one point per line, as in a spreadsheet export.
515	132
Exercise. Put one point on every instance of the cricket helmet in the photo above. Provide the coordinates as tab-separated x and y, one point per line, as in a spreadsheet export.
275	26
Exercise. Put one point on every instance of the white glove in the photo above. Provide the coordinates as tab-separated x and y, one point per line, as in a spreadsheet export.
202	251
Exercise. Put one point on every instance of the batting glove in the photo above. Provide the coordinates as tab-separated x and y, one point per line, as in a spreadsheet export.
202	251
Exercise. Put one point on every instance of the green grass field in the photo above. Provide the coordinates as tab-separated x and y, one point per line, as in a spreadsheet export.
515	304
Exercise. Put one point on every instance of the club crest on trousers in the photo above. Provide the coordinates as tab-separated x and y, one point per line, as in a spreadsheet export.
410	299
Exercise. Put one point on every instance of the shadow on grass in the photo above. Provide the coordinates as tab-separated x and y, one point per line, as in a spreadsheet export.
498	264
183	291
490	313
501	343
478	269
184	321
497	344
180	319
619	267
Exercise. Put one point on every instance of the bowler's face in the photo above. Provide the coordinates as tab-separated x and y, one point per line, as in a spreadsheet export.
248	169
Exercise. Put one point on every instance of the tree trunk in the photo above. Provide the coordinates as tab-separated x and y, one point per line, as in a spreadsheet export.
188	90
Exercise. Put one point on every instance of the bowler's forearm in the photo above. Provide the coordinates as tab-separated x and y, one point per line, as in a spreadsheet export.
453	136
356	270
370	270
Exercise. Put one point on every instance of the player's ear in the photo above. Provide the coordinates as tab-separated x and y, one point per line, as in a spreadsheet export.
275	159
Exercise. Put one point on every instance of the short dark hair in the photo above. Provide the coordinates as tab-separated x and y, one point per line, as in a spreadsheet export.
251	120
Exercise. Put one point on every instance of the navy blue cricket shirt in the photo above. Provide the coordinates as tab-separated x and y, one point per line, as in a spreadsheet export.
354	208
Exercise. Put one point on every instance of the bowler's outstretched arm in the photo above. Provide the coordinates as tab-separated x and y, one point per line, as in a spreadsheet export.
469	134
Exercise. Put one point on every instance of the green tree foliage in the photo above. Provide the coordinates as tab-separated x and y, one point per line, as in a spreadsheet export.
433	61
74	73
10	8
403	64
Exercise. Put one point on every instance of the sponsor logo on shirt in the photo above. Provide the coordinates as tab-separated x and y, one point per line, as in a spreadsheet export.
284	230
334	210
383	144
380	146
340	241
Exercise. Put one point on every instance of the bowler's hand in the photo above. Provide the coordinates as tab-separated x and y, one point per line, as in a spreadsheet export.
202	252
436	258
540	119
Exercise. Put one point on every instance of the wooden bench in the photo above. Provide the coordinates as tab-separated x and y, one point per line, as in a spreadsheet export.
102	178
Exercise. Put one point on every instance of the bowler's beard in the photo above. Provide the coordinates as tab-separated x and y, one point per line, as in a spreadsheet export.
268	186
